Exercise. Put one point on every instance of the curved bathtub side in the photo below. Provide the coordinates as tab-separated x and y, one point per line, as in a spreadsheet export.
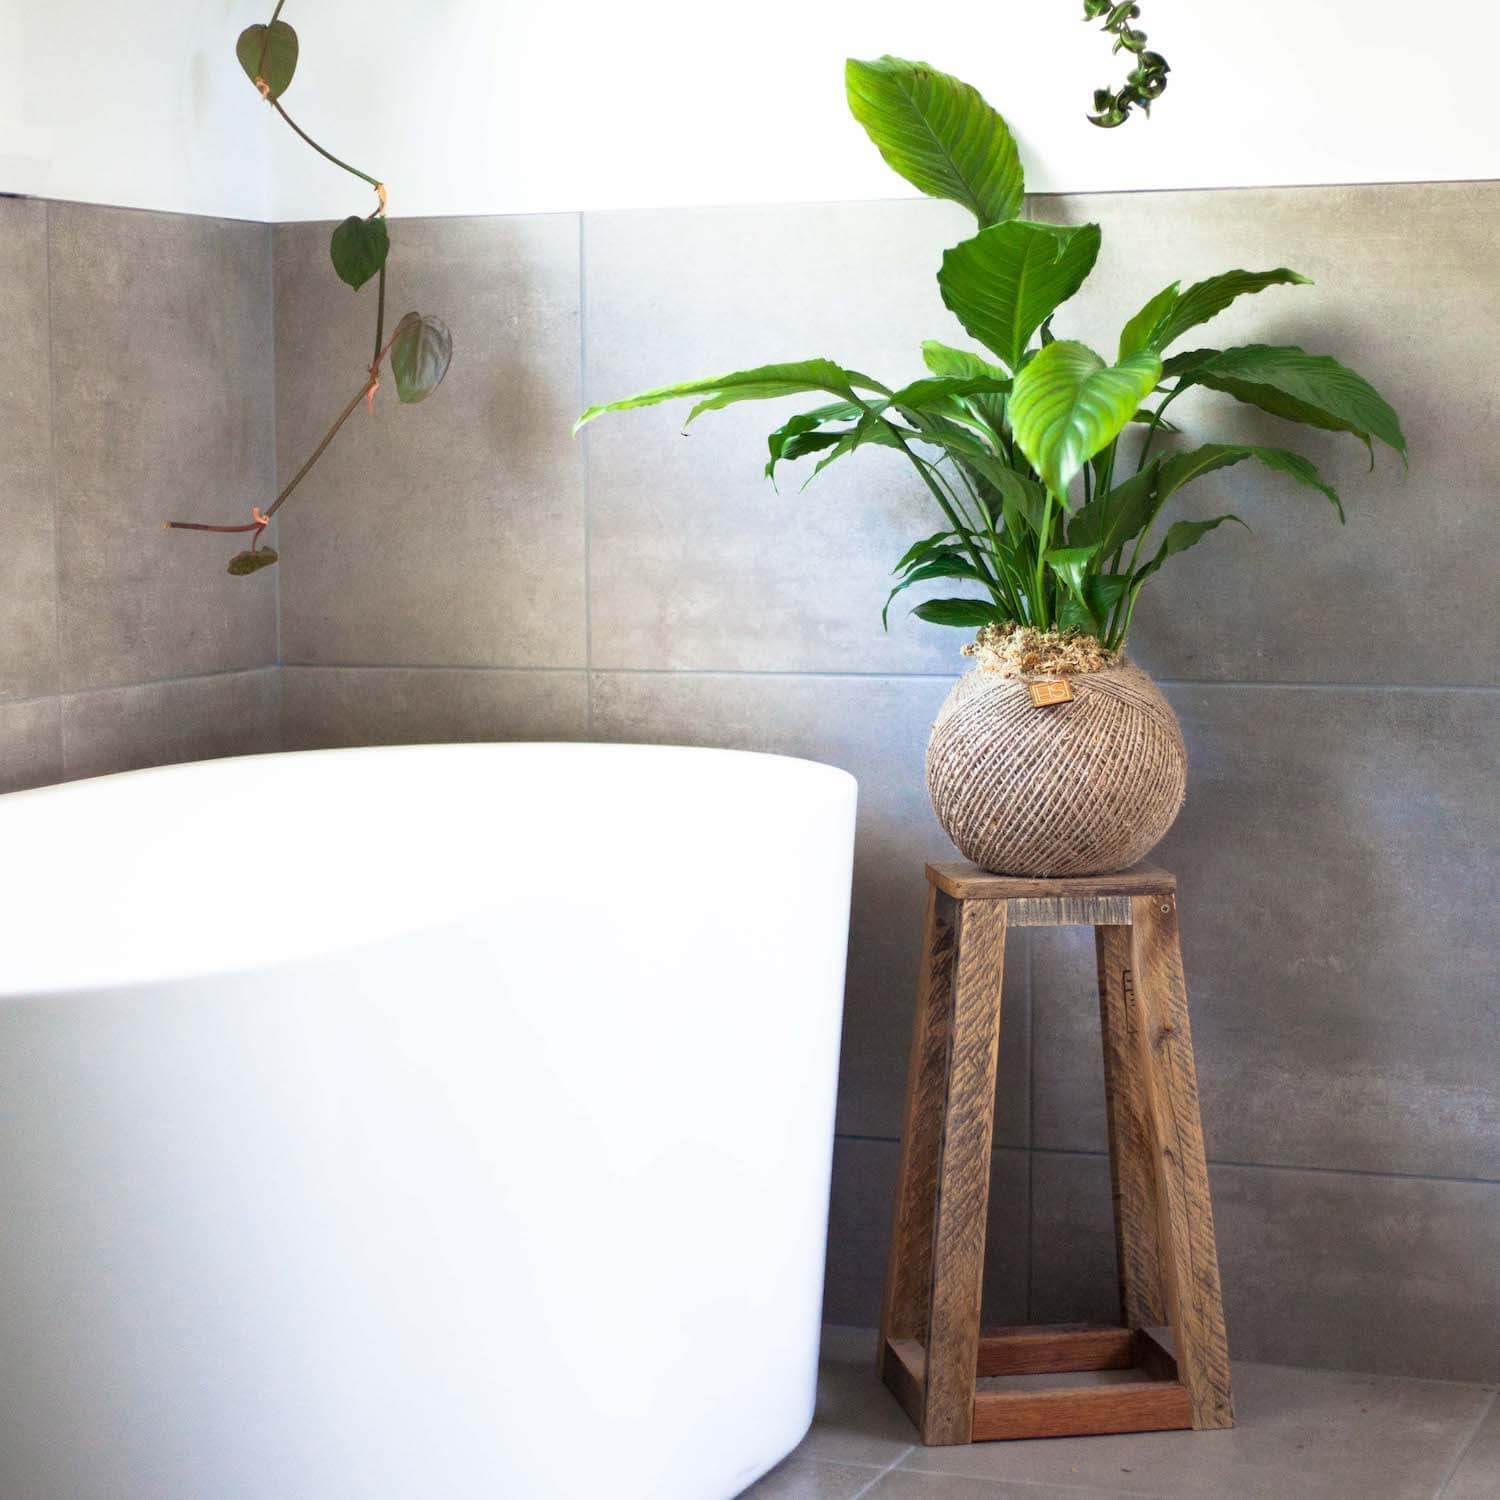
531	1203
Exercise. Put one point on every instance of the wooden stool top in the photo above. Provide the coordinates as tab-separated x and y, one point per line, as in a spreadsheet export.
1090	900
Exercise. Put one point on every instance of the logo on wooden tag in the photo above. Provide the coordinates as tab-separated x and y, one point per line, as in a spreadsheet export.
1043	693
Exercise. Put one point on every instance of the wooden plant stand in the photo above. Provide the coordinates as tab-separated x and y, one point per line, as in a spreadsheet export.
932	1351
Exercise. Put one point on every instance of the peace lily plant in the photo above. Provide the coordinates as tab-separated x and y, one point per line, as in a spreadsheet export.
1046	506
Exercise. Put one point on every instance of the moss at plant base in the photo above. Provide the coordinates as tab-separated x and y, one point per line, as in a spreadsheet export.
1023	651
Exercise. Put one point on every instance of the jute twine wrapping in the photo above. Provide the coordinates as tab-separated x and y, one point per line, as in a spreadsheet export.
1079	788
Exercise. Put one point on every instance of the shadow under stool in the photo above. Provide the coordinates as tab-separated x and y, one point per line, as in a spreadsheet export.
932	1349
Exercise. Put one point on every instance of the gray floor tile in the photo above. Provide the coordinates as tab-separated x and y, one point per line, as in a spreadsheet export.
448	533
864	1185
28	548
903	1484
807	1479
1393	596
162	723
1308	1434
30	744
162	410
857	1420
877	729
1335	856
1387	1274
1477	1475
324	707
695	561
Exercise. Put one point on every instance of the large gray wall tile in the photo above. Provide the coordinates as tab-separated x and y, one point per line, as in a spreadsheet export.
695	561
859	1228
1405	293
1353	1271
1477	1476
449	533
30	744
875	728
329	706
162	380
162	723
1337	859
28	549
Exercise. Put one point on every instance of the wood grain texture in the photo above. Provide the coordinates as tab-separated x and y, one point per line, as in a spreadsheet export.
1153	1406
1055	1350
964	1176
1132	1156
1067	911
967	882
1185	1222
908	1275
903	1364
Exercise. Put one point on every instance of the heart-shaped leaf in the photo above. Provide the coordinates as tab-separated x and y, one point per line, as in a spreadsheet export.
268	55
420	354
244	563
359	248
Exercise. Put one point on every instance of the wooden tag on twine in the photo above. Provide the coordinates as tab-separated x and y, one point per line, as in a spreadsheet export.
1043	693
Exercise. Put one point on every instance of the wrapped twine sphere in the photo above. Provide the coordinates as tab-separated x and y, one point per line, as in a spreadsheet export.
1078	788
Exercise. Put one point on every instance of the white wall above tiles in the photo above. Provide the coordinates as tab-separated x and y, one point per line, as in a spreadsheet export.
514	106
140	105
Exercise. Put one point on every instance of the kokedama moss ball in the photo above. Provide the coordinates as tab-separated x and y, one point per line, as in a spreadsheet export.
1078	788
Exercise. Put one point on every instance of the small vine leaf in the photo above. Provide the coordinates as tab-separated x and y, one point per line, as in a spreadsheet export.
242	564
280	56
358	249
420	354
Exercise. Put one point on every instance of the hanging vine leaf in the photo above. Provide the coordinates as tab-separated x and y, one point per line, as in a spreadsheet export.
419	356
242	564
359	248
280	56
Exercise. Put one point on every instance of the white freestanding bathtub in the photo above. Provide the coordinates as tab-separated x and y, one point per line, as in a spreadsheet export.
442	1123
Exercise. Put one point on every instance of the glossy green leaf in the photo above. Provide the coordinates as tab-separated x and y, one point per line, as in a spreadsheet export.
1090	610
1006	281
1112	519
358	249
960	364
420	355
803	434
242	564
1071	564
920	550
939	134
965	614
1170	314
941	565
1314	389
279	51
1180	536
871	428
1183	468
763	383
1068	404
938	389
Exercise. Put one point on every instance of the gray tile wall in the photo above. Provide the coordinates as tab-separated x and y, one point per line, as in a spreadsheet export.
466	570
137	387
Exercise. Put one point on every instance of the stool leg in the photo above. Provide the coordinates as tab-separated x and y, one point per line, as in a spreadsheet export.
908	1275
963	1185
1189	1260
1132	1158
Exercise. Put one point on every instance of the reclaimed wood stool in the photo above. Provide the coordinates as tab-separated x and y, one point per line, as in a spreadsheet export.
932	1351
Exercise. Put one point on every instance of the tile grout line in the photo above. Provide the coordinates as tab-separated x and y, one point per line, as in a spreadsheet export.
588	580
1468	1442
62	721
1214	1161
881	1474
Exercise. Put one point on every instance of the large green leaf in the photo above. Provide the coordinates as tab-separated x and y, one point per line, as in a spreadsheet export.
268	55
1090	610
1111	519
1006	281
1068	404
939	134
960	364
763	383
1314	389
938	389
966	614
358	249
1169	314
944	564
871	428
1183	468
420	354
803	434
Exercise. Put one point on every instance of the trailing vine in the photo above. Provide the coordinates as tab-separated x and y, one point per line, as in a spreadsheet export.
420	348
1146	81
